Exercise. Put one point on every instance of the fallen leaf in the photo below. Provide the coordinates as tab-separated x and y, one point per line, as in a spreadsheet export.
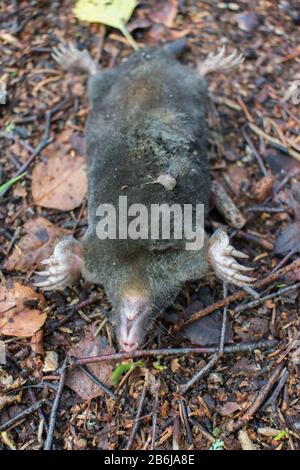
36	343
21	311
228	408
236	177
164	12
263	187
245	440
114	13
36	245
248	21
288	240
77	380
61	183
207	330
51	361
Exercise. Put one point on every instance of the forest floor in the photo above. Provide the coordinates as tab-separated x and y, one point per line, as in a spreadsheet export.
244	397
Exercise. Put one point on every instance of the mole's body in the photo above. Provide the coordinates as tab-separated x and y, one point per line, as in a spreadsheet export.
146	130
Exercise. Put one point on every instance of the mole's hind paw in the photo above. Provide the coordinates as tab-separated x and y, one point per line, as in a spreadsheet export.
221	257
71	58
63	267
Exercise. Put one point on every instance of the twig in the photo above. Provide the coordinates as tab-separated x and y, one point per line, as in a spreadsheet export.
275	142
273	398
154	420
251	145
11	422
185	417
197	425
259	400
94	379
224	321
74	309
176	433
241	294
200	374
45	140
48	443
254	303
243	347
138	414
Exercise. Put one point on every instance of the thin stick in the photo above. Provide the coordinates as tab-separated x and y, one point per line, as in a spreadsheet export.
11	422
254	303
185	417
224	321
48	443
94	379
74	309
273	398
251	145
200	374
241	294
138	414
154	420
243	347
45	140
259	399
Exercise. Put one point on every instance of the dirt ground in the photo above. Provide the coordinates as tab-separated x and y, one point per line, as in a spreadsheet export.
246	397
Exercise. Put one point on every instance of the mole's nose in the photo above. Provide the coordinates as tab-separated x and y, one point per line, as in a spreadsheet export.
129	346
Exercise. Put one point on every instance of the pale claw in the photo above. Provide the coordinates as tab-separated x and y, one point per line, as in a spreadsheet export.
220	255
69	58
63	267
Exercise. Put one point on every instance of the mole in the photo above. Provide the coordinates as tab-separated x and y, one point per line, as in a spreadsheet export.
146	141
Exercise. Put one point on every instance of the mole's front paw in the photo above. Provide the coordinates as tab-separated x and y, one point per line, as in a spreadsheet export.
70	58
63	267
221	257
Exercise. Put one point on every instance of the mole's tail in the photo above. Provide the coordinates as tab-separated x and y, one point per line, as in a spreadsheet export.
219	62
70	58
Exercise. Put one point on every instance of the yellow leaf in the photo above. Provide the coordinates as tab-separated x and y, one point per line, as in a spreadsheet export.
113	13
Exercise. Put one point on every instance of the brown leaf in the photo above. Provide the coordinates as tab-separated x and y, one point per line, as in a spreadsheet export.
207	330
61	183
236	177
77	380
21	311
263	187
164	12
38	244
288	240
228	408
36	343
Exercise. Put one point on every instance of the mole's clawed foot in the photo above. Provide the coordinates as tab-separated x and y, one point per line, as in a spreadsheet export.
70	58
63	267
221	257
220	62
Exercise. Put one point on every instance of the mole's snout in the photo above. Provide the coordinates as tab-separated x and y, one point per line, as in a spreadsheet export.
132	313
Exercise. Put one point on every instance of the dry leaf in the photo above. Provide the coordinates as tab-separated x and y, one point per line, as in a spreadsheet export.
21	311
61	183
245	440
38	244
77	380
36	343
229	408
51	361
288	240
207	330
263	187
164	13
